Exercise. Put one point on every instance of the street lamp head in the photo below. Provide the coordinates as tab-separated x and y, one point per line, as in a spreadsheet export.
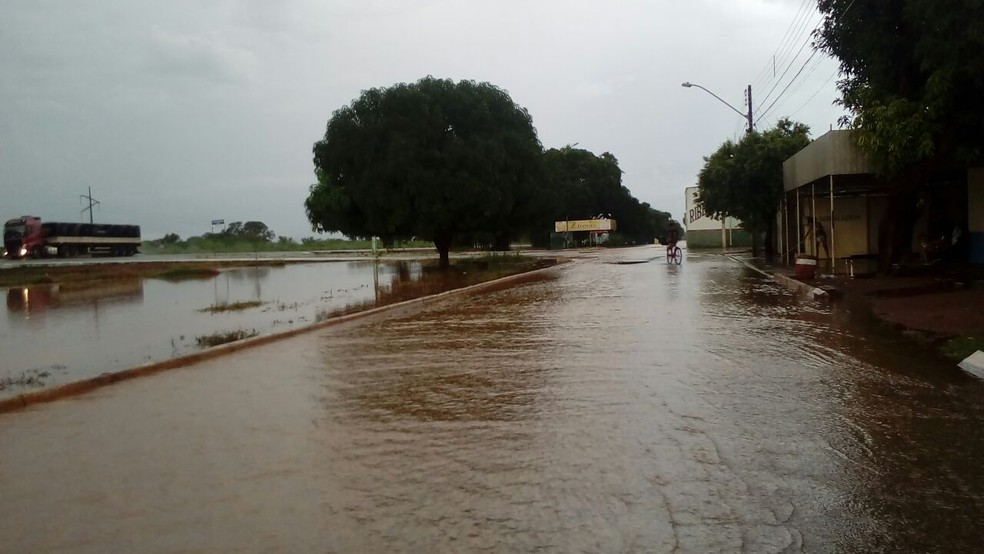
688	84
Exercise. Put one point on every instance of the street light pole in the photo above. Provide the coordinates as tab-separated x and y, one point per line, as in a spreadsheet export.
748	91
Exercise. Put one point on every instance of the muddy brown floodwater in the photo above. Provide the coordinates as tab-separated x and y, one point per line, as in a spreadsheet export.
616	408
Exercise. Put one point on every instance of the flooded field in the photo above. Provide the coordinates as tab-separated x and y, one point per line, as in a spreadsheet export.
617	408
51	334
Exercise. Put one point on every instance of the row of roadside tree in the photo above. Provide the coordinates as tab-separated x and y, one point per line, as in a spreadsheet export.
460	164
912	80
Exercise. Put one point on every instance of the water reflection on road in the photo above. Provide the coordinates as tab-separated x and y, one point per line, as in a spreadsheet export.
620	408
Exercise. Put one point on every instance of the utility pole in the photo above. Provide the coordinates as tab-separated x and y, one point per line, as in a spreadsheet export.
749	94
92	202
748	97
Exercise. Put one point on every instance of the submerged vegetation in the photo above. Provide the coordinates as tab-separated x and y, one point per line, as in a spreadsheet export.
223	337
232	307
181	273
30	378
959	348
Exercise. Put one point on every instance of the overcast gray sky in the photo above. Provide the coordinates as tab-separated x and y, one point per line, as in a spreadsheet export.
183	111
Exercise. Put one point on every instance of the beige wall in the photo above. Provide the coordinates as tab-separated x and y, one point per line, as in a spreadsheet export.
852	232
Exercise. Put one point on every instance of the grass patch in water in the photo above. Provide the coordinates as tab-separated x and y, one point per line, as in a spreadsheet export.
215	339
181	273
30	378
234	307
959	348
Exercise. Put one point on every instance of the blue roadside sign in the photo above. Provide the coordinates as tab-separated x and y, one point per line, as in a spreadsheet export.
218	222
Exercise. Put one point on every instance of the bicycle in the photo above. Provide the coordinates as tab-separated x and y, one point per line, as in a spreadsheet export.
673	254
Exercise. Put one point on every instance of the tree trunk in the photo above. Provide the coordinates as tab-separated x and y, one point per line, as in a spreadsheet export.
899	220
755	242
443	249
895	228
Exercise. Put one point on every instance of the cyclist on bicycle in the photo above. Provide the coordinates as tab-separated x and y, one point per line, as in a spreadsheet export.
672	236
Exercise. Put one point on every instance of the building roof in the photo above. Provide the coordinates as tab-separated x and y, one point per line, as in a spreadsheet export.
833	153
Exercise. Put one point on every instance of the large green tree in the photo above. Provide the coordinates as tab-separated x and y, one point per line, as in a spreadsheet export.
744	179
434	159
583	185
913	79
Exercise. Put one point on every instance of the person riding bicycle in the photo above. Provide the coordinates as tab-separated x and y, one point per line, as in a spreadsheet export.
672	236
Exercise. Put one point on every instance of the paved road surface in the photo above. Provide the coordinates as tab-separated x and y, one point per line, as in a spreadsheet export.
618	408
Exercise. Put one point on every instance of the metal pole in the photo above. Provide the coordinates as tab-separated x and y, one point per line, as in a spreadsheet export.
750	123
799	222
833	249
813	214
782	227
92	202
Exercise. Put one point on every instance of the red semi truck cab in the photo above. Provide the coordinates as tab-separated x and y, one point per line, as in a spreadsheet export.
22	237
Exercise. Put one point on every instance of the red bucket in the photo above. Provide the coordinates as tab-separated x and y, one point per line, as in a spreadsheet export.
806	267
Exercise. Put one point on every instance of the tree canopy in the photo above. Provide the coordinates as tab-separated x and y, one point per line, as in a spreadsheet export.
582	185
434	159
912	77
253	230
744	179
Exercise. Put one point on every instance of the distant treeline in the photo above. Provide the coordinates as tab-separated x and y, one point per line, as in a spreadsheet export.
222	242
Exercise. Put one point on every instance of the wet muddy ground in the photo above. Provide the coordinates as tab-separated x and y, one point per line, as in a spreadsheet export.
616	408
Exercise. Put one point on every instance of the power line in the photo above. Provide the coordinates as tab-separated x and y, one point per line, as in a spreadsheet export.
762	78
798	84
782	58
797	110
788	67
816	27
787	85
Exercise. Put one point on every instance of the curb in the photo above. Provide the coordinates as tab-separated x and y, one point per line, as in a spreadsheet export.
797	287
77	388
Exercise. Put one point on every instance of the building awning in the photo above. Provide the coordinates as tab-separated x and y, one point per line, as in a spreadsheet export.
832	154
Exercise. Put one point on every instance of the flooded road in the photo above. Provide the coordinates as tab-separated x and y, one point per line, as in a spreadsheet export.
616	408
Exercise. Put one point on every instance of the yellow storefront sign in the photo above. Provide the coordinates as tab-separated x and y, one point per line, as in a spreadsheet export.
584	225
